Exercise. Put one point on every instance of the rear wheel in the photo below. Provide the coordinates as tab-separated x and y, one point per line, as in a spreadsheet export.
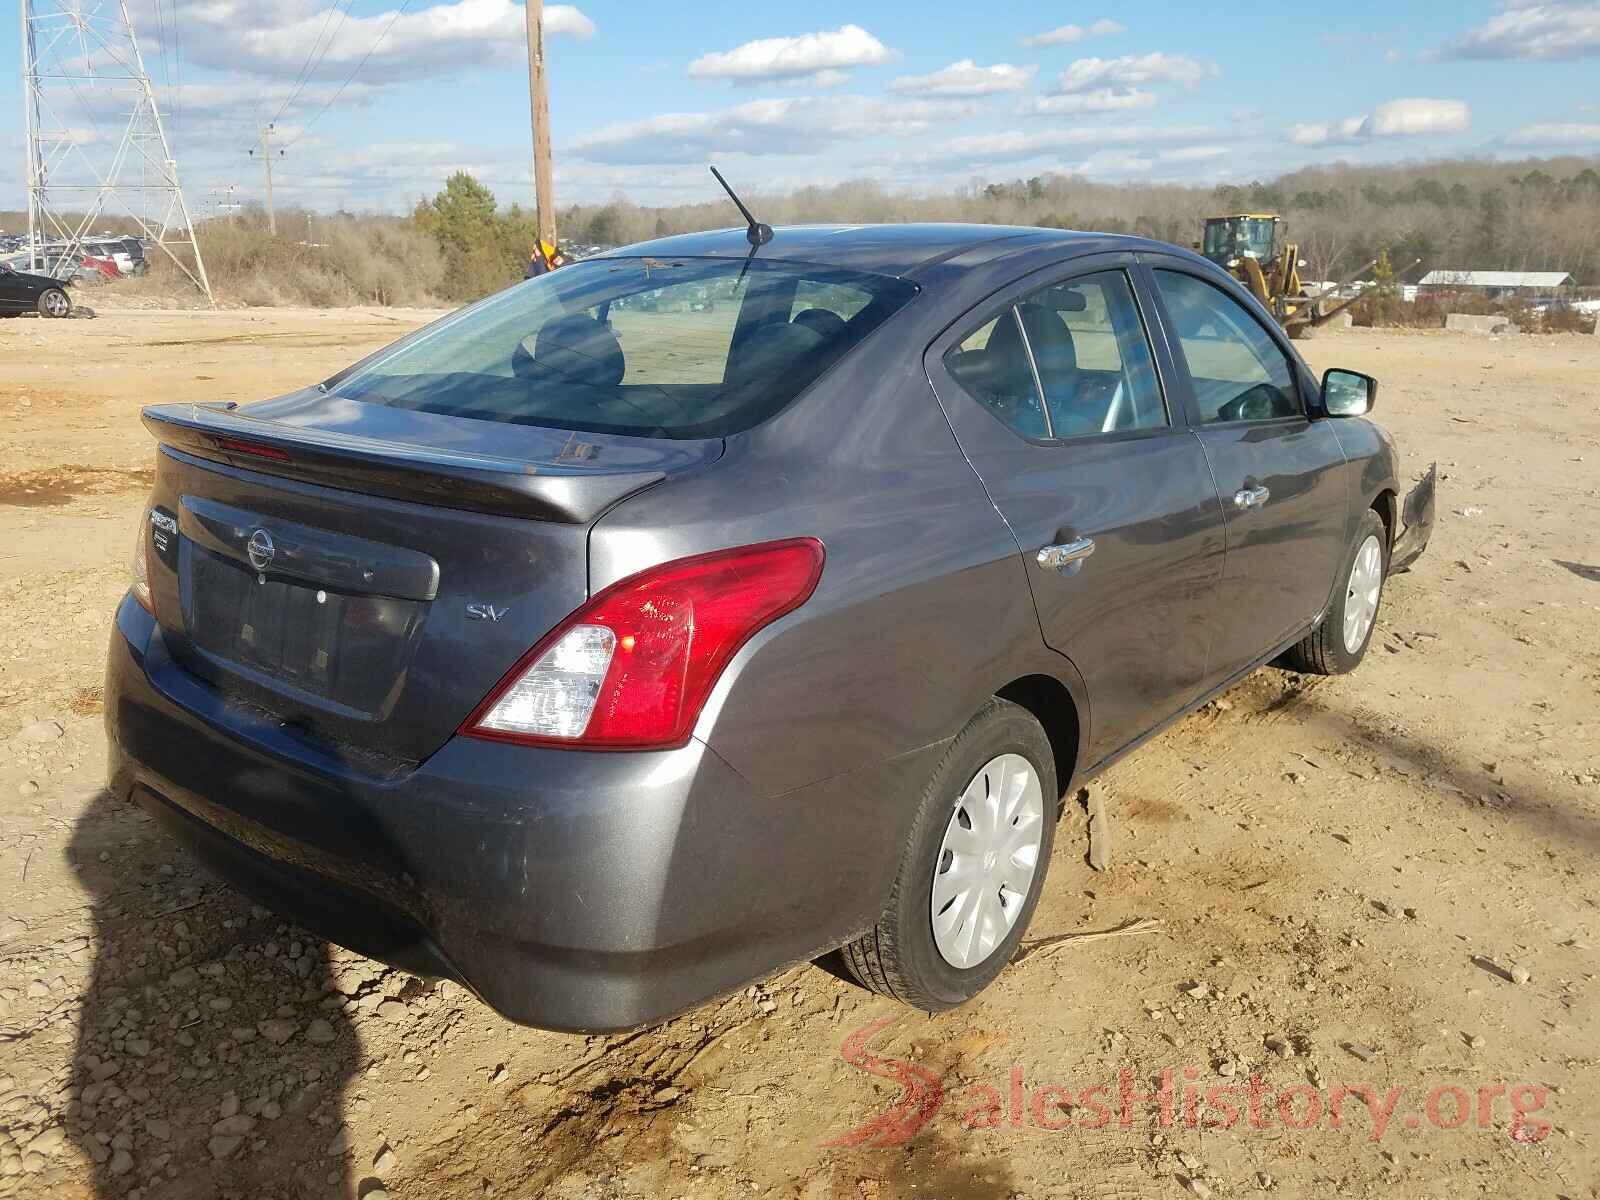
53	302
1340	642
972	869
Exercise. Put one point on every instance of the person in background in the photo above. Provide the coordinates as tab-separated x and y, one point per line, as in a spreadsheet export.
544	259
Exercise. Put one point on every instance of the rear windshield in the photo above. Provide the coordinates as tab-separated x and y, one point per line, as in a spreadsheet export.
660	347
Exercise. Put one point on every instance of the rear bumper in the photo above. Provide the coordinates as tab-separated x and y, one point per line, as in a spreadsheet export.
568	890
1417	516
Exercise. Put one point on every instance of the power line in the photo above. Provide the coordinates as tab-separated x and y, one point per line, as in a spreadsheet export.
166	45
312	62
332	37
176	101
311	53
399	12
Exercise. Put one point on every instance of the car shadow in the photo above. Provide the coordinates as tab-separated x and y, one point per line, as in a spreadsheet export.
1534	808
1581	570
211	1056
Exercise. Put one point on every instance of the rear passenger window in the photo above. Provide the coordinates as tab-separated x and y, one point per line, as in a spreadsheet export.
1093	355
1239	372
1084	343
991	364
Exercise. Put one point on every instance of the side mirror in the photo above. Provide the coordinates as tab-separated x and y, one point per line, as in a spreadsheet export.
1348	393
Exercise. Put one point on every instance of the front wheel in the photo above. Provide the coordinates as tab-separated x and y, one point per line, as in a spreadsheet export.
972	869
1339	642
54	303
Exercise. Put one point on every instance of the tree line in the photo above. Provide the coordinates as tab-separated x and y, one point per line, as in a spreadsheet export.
1454	215
462	243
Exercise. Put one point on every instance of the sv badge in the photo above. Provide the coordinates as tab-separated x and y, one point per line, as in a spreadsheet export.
485	612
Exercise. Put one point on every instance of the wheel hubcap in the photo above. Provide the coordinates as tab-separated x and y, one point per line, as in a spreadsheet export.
56	304
987	860
1361	593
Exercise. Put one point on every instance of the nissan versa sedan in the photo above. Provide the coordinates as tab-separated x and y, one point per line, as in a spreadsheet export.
710	605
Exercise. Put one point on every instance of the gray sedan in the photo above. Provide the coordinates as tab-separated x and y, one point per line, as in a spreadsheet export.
706	606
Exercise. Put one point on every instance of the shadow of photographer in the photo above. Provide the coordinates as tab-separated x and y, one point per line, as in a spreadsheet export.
213	1054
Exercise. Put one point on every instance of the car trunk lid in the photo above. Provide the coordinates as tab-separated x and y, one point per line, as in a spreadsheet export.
365	575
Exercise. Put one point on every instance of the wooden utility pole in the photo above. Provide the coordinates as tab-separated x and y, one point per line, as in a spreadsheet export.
266	160
539	106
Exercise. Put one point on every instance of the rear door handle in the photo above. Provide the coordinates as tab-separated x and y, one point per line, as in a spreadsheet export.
1251	497
1064	557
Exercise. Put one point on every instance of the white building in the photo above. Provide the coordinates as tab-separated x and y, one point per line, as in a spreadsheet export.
1495	284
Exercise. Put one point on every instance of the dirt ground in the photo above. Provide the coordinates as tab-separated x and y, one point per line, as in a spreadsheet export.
1386	881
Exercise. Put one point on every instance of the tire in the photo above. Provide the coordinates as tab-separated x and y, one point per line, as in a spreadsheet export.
53	302
900	956
1325	650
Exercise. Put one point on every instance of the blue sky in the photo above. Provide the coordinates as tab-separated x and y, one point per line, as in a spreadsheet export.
918	96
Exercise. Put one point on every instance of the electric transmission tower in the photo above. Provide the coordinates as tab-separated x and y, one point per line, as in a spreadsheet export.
95	141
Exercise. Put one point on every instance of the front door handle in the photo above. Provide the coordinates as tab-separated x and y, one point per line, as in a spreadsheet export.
1065	557
1251	497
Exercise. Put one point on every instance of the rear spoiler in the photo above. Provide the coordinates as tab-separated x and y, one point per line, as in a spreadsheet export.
482	483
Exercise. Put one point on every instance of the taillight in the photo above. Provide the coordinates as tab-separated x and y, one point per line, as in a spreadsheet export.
141	565
633	667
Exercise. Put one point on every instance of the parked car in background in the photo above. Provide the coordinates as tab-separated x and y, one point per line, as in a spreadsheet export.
54	261
135	250
118	251
603	651
22	292
105	268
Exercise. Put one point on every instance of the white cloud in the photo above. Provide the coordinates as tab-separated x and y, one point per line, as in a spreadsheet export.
1183	164
1088	74
967	78
1416	117
1550	30
1195	153
1099	100
810	54
391	177
216	115
1321	133
276	40
792	125
1557	133
1066	35
1012	146
1115	165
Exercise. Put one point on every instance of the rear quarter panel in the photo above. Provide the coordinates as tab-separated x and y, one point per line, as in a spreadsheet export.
923	601
837	714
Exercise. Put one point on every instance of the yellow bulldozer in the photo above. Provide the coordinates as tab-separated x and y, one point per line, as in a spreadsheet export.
1255	249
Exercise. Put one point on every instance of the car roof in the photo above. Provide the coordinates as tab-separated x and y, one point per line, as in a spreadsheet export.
885	249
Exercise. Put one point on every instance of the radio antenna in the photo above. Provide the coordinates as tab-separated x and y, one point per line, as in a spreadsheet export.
757	233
